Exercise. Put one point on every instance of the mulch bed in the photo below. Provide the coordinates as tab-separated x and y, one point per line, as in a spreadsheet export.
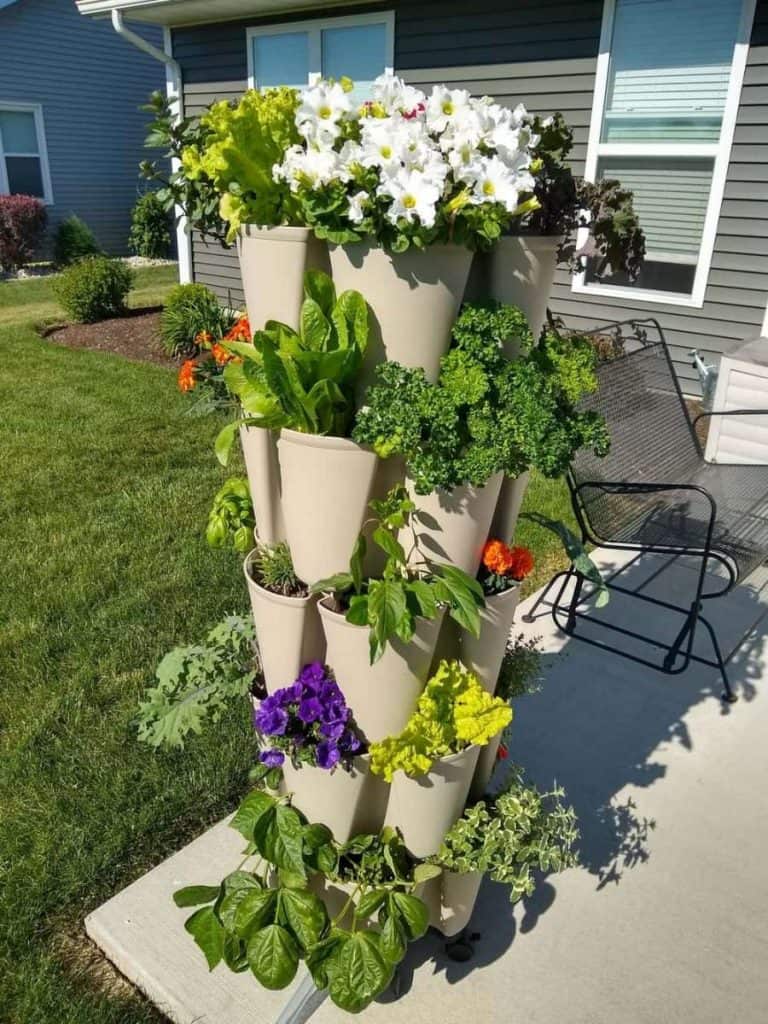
136	336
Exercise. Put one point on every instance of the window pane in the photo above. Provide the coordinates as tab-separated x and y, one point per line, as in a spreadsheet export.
24	175
17	130
357	51
281	59
669	70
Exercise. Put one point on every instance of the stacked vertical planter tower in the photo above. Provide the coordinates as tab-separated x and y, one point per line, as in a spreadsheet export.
387	426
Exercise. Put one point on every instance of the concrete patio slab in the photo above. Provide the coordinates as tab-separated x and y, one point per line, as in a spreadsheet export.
665	921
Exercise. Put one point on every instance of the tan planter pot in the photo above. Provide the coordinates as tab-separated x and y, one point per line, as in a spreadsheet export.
273	261
382	696
521	272
260	454
459	895
483	655
453	526
288	631
326	485
508	506
486	765
348	803
414	298
425	808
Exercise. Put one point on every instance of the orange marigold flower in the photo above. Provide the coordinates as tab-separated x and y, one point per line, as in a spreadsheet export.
502	560
203	339
187	379
240	331
220	354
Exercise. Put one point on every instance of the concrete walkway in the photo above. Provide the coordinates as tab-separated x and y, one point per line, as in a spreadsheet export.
665	921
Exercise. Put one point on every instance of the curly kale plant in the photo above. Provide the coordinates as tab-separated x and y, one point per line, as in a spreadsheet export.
486	413
512	835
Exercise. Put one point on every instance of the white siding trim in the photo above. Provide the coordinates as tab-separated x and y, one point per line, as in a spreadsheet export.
42	150
183	239
720	151
314	27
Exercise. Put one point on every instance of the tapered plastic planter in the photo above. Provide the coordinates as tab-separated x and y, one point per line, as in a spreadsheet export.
508	506
486	763
273	261
483	655
348	803
382	696
288	631
260	454
453	525
459	895
425	808
326	485
521	272
414	297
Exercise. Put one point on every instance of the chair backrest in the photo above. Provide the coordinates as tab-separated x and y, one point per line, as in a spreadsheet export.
652	439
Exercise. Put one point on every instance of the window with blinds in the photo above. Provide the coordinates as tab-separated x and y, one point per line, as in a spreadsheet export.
668	78
21	163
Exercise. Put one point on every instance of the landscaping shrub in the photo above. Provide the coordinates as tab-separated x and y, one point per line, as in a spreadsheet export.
150	228
94	289
190	309
22	223
74	240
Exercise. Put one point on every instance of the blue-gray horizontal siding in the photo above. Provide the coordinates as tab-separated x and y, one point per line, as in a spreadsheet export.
90	84
517	52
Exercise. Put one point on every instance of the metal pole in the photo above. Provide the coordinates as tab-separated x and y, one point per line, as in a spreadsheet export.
303	1003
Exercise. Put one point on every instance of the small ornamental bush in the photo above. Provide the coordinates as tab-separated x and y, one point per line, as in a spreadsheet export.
150	228
190	310
94	289
22	223
74	241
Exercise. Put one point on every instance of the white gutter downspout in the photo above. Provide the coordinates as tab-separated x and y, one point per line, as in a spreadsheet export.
174	91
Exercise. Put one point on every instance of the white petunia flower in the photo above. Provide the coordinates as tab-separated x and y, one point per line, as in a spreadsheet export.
397	97
494	183
383	143
311	167
413	195
355	211
445	106
322	107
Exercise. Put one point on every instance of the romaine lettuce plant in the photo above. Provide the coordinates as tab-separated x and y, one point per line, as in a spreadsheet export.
409	586
301	379
453	712
267	919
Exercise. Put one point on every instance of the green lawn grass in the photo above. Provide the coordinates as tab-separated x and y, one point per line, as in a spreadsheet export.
105	490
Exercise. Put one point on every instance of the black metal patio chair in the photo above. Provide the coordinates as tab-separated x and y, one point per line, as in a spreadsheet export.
654	492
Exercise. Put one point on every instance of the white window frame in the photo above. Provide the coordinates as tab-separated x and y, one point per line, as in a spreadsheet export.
42	150
720	151
314	29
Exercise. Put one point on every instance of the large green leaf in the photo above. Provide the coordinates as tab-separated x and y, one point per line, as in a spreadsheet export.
224	441
463	600
386	609
319	287
412	911
333	584
237	888
357	613
394	940
304	914
315	328
205	929
283	381
353	310
369	903
281	839
194	895
273	956
423	595
254	910
321	955
389	544
356	563
358	972
250	810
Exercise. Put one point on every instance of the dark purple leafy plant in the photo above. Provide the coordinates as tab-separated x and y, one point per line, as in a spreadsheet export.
309	722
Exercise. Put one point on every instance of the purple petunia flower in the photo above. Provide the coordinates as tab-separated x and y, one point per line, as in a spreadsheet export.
328	755
349	743
312	676
272	721
332	730
310	709
272	758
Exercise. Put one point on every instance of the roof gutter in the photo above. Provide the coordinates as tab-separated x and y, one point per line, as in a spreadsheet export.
133	37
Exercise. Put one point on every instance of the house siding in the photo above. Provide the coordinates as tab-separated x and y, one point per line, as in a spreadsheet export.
89	83
545	55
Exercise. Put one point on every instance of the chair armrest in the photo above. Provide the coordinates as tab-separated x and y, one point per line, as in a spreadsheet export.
625	487
730	412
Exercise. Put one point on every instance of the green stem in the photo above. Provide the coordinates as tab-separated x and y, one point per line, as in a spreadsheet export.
343	912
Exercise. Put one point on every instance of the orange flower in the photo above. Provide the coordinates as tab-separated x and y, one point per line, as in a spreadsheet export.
203	339
187	379
505	561
220	354
240	331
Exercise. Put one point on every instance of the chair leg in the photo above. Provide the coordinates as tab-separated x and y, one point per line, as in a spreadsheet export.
727	695
530	615
570	626
687	626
